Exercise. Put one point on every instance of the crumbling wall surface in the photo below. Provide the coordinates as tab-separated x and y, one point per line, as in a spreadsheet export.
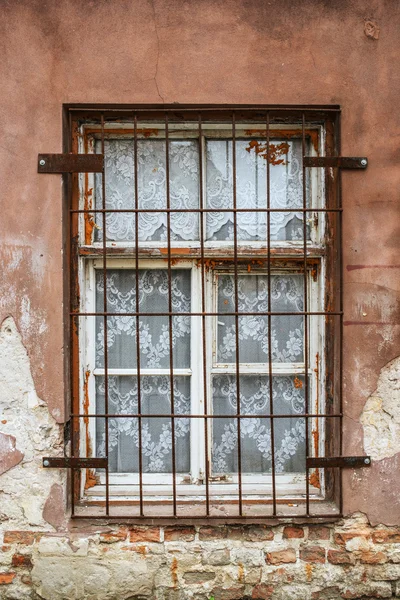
298	52
342	561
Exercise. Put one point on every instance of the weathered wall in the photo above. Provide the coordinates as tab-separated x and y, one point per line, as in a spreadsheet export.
235	51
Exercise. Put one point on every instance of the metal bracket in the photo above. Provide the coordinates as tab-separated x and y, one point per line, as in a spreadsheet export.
338	461
67	462
338	162
70	163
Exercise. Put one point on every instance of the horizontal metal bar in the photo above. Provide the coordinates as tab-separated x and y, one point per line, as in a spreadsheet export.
339	162
338	461
203	210
202	108
69	462
184	314
70	163
207	517
191	416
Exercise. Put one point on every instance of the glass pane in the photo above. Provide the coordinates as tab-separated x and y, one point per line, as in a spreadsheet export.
286	189
120	189
287	292
255	433
153	331
156	432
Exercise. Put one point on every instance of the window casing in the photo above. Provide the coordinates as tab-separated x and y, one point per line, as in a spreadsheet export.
211	280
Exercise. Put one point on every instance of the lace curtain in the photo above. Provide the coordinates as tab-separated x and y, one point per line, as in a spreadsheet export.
251	179
288	391
286	331
255	434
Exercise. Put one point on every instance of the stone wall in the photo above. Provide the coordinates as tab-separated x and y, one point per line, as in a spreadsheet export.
347	560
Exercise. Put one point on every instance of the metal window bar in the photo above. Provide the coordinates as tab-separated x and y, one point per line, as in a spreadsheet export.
137	317
301	117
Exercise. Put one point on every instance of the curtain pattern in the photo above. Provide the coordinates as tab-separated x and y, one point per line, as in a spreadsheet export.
287	293
251	180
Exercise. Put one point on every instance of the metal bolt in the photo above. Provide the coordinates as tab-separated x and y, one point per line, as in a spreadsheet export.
46	463
42	162
364	162
367	461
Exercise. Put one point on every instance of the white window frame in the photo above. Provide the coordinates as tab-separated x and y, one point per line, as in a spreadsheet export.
288	484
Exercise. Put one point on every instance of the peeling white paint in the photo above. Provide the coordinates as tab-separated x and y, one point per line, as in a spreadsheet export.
381	414
25	488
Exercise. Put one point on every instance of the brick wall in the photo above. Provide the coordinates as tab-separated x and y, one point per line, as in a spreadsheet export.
345	560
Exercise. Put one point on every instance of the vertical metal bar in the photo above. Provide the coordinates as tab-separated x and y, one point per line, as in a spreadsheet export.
106	410
303	144
235	259
170	318
340	242
139	390
271	399
73	325
203	310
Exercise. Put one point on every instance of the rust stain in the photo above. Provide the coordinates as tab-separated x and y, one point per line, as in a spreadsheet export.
209	264
314	273
91	479
240	573
309	570
314	478
147	132
274	153
89	220
4	421
90	474
288	134
174	574
298	384
175	251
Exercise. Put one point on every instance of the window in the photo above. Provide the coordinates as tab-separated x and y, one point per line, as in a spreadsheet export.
205	312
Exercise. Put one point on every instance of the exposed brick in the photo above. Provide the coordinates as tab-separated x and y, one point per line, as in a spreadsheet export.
21	560
340	557
312	554
258	533
235	532
197	577
281	557
318	532
373	558
262	591
111	537
145	534
213	533
21	537
232	593
179	534
344	536
6	578
386	536
291	532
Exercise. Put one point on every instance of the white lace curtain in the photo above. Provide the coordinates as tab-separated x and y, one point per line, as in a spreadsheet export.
251	181
287	291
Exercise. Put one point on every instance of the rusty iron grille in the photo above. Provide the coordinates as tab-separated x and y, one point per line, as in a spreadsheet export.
225	412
